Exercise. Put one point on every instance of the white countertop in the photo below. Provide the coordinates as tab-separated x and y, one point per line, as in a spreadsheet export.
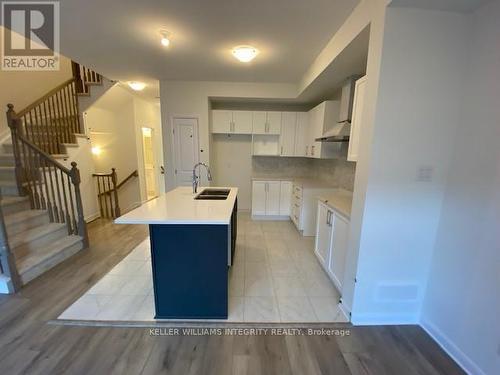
339	200
179	207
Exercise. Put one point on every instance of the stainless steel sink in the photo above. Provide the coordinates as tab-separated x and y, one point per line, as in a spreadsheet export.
213	194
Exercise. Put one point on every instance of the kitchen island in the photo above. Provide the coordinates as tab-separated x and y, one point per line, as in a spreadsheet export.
193	239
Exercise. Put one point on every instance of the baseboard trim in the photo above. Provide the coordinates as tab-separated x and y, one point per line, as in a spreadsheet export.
274	218
467	364
383	319
92	217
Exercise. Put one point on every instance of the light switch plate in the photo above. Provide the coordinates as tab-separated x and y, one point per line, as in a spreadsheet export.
425	173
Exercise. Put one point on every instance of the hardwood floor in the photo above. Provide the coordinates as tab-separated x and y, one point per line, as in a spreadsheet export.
28	345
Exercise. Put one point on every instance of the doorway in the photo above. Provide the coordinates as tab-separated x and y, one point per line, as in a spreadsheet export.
149	162
186	153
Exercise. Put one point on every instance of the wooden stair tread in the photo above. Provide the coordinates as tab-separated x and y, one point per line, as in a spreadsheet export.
45	253
17	217
6	201
32	234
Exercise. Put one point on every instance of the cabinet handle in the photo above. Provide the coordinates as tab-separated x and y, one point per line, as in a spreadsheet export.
281	150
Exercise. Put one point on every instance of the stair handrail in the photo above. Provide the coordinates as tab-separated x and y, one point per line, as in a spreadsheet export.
40	176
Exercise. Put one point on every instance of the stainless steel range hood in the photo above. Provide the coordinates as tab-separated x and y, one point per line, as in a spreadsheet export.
339	133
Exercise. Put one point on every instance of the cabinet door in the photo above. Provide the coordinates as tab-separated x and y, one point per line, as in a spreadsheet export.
301	135
273	122
336	265
273	198
242	121
285	198
357	119
222	121
259	190
287	137
259	122
323	234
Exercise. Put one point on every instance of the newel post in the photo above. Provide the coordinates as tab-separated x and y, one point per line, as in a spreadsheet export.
15	130
82	226
115	192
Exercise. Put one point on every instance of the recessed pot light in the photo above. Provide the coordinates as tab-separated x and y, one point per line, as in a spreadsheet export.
136	85
245	53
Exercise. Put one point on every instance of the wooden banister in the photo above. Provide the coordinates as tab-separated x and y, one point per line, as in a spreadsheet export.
107	192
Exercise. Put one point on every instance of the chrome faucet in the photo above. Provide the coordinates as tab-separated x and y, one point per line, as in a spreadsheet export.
196	178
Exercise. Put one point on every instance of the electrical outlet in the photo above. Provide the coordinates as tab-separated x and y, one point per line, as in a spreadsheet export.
425	173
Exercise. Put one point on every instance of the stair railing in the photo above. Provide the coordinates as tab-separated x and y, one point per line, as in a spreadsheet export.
84	77
49	184
107	192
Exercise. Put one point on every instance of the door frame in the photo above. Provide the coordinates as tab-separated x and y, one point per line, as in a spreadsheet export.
155	163
174	149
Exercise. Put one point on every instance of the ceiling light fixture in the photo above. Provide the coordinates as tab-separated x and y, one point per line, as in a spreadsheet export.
136	85
165	38
245	53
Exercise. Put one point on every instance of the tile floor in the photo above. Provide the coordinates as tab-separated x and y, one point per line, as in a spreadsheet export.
275	278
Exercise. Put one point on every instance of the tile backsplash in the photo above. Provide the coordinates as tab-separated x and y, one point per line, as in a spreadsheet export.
339	173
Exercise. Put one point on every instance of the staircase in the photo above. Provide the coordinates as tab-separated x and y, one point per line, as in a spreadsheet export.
40	198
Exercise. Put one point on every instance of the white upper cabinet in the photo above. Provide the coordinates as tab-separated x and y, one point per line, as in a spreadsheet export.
288	133
222	121
301	134
357	119
321	119
231	122
266	122
242	122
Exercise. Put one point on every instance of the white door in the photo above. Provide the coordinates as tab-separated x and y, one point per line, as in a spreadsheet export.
259	122
273	122
259	190
222	121
242	122
287	137
336	266
185	149
273	198
323	234
149	162
357	119
301	135
285	198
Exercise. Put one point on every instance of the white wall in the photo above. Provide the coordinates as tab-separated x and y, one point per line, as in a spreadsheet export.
114	122
462	305
24	87
419	96
192	99
231	161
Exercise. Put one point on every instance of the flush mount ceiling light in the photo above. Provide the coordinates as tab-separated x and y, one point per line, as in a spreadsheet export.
165	38
245	53
136	85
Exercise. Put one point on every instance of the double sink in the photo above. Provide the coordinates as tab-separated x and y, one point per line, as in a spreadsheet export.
213	194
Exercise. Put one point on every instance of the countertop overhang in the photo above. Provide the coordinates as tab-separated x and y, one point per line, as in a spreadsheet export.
178	206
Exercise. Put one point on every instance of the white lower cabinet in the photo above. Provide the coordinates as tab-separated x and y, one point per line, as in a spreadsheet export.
336	265
332	235
285	198
271	198
324	230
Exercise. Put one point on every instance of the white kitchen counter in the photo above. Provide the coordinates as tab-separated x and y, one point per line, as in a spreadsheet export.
339	200
179	207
